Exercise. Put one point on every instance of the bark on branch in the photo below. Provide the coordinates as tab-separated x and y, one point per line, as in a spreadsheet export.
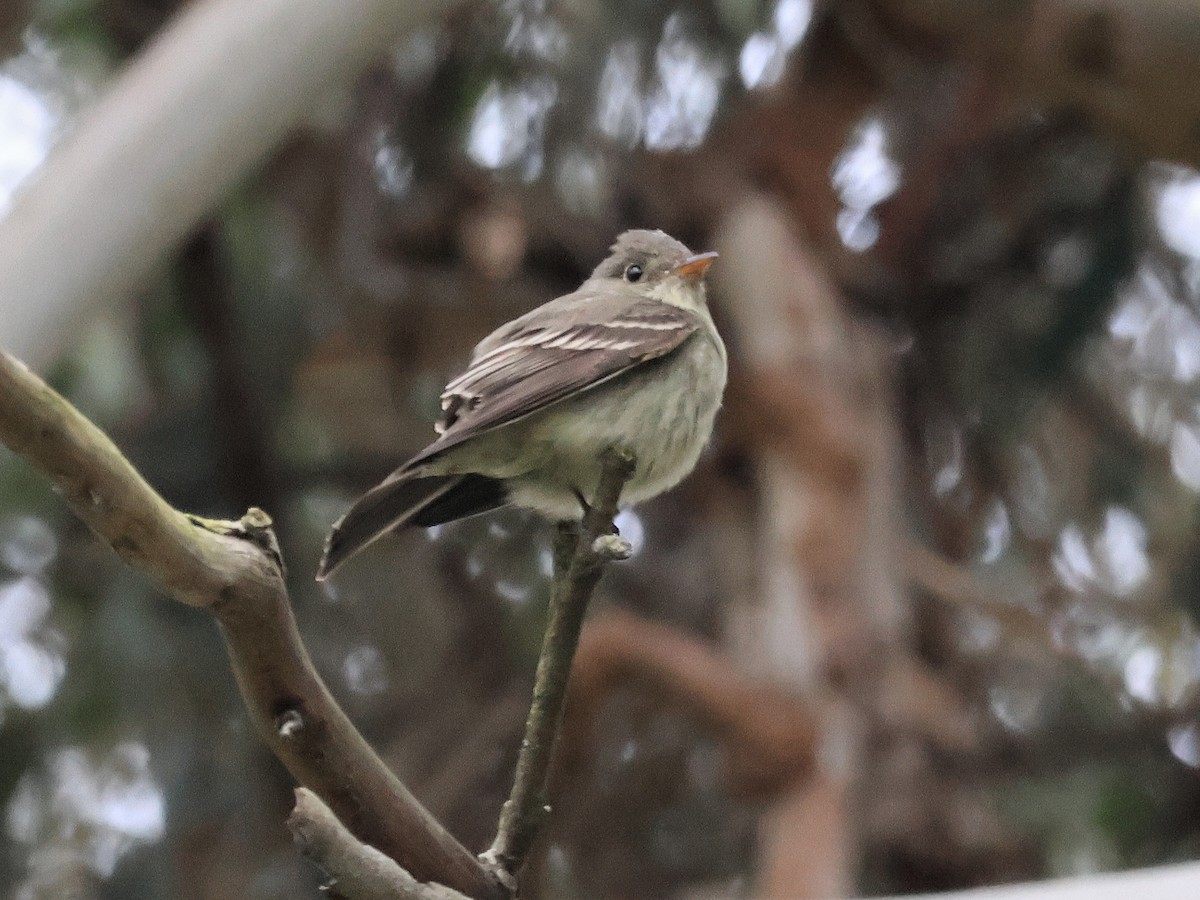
580	553
359	872
234	570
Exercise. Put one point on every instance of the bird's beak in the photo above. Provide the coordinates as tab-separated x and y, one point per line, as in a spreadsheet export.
694	267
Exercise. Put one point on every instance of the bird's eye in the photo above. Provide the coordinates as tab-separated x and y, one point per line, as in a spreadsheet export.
633	272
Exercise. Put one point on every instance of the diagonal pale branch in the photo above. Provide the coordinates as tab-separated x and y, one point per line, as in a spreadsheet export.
359	872
201	105
580	554
233	569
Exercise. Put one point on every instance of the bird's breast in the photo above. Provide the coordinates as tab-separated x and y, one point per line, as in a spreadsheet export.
662	411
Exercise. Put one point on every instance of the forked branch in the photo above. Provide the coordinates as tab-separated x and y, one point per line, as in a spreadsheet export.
359	872
234	570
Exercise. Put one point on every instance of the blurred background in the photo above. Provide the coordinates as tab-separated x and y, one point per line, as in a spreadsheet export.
924	618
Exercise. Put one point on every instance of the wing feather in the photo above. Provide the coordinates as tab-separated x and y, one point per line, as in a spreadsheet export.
539	363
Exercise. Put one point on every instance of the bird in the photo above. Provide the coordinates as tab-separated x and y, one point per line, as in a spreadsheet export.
629	360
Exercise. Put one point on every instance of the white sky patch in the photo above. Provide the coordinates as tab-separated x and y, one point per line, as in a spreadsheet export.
1016	702
761	62
1162	334
32	657
95	809
27	545
683	102
365	671
1155	345
864	175
582	181
944	456
629	524
1151	413
1165	673
534	32
42	88
792	19
1096	634
1142	671
509	124
997	533
393	166
27	130
24	605
763	57
1073	561
1184	741
619	112
1121	549
514	592
1185	453
950	473
1115	561
546	562
32	673
1177	210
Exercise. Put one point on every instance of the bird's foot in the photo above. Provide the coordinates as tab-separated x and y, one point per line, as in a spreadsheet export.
586	508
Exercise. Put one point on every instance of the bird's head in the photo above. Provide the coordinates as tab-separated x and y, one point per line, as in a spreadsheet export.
655	265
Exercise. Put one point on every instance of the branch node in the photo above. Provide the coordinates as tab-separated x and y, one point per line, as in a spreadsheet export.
612	547
289	723
256	519
499	868
620	461
255	526
358	870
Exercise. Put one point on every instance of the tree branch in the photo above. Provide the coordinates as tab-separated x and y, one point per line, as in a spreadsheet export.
168	140
234	570
580	553
359	871
771	734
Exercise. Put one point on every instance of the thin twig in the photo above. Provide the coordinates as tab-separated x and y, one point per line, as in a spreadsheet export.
234	570
358	870
580	554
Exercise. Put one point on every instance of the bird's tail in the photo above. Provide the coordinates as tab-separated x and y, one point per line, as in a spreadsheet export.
407	500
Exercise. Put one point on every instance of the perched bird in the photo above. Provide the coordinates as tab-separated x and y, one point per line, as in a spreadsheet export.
631	359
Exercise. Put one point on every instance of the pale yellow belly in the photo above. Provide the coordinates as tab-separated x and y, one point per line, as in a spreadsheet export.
664	414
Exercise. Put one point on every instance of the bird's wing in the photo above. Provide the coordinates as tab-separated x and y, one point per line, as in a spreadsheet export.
542	359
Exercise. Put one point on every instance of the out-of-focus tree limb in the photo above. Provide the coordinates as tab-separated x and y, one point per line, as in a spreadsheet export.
1132	64
359	871
812	814
956	584
824	573
183	123
234	570
771	735
580	554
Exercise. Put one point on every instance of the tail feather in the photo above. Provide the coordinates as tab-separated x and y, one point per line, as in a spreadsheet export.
386	506
407	500
472	495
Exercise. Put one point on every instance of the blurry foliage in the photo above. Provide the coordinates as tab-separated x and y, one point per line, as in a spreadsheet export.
293	351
